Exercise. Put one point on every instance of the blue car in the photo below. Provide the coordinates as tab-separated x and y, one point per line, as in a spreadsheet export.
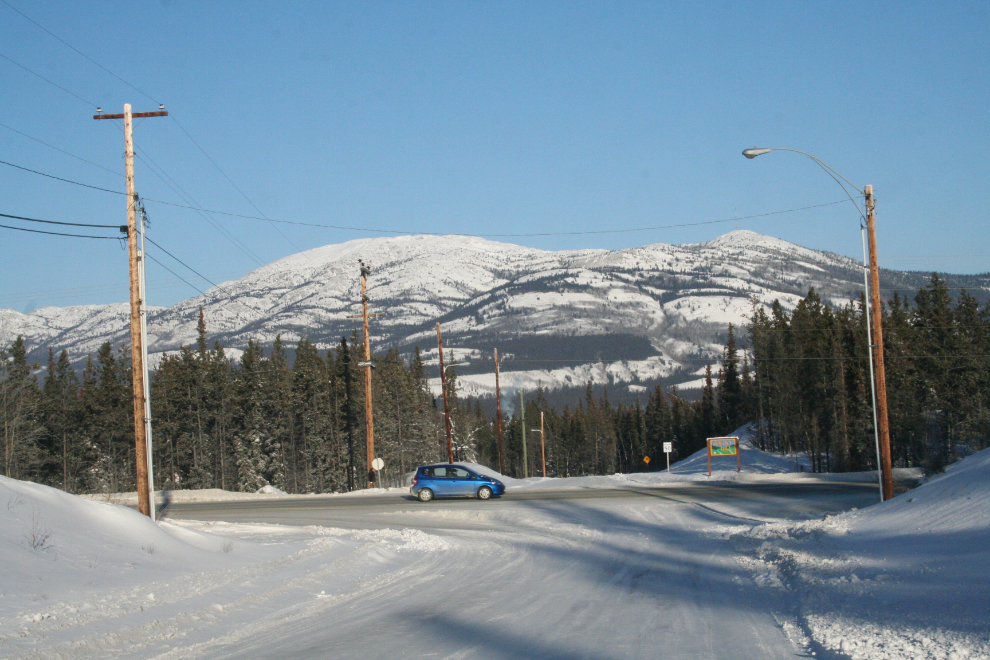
448	480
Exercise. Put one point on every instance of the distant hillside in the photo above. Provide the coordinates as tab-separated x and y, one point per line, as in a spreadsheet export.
624	318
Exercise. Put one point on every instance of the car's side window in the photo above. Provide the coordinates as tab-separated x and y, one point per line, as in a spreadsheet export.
440	472
427	472
458	473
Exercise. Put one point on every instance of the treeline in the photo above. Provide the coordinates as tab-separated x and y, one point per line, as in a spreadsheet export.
218	422
801	379
812	379
242	424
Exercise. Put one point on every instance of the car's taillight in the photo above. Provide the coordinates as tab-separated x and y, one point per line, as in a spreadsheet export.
415	480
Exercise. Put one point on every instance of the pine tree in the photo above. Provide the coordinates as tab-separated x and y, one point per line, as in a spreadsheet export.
60	412
19	400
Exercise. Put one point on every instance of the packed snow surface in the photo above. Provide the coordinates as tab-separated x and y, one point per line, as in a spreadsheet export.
692	568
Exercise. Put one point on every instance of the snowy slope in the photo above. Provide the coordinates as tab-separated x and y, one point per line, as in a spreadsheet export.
560	318
907	578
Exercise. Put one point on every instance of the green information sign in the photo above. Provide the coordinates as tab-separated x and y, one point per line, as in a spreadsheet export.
723	446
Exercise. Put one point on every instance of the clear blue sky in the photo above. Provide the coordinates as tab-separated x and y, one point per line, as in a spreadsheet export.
496	117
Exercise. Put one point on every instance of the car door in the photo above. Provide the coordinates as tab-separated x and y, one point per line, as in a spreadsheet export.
462	482
441	482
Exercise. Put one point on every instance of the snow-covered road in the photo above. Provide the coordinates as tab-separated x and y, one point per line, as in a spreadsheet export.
619	575
672	570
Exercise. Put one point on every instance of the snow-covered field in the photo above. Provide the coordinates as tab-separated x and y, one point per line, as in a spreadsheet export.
693	571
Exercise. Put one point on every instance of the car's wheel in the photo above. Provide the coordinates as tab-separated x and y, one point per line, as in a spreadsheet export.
484	493
425	495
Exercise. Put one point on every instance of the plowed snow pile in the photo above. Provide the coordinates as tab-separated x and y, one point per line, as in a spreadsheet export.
908	578
81	579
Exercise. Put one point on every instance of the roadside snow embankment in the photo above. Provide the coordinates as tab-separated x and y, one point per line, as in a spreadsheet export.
80	578
904	579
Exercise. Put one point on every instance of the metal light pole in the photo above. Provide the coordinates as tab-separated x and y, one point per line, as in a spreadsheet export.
446	403
881	427
498	417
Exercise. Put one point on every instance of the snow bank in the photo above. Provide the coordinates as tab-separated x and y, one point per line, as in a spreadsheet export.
51	541
87	579
908	578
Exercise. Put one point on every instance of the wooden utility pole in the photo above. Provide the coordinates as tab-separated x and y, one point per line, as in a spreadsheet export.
522	427
498	418
885	463
369	418
139	377
543	446
446	404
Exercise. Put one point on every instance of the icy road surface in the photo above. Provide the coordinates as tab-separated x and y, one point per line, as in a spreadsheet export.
677	570
614	574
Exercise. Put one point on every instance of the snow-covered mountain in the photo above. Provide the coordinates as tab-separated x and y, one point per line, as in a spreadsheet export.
654	313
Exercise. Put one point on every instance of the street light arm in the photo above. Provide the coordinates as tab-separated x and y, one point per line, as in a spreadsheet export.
753	153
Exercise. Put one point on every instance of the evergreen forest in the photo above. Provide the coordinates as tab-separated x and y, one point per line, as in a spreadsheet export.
800	379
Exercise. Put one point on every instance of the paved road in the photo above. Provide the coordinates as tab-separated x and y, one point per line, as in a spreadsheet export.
622	574
739	502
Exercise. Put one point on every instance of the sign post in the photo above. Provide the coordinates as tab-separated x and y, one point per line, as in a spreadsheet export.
377	466
724	447
667	448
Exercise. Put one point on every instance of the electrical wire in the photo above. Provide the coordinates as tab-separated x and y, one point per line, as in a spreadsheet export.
255	206
58	178
55	233
149	97
51	146
562	233
53	222
200	209
238	244
173	272
89	103
154	167
67	44
203	277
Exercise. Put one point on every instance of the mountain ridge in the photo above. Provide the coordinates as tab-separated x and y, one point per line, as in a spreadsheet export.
632	316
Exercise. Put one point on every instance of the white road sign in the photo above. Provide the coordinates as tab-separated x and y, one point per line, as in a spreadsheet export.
668	447
377	464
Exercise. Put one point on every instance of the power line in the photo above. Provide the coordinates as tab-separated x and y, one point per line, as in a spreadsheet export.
50	146
149	97
33	73
55	233
58	178
200	209
564	233
263	216
203	277
68	292
66	43
173	272
181	193
54	222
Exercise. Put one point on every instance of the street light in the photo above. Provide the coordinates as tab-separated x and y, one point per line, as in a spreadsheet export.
881	428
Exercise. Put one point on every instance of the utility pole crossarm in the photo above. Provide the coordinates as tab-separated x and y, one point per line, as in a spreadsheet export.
134	115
